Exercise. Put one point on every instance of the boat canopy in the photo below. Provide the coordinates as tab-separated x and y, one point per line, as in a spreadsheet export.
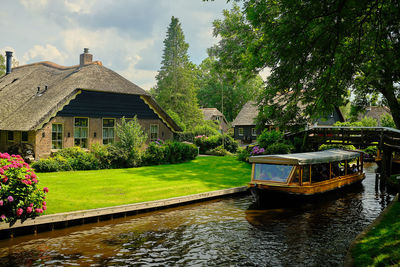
306	158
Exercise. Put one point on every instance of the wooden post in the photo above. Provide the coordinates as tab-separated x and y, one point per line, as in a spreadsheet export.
330	170
310	173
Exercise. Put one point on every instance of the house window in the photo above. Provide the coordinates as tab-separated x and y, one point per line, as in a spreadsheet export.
24	137
253	132
81	132
153	132
56	136
10	137
240	131
108	131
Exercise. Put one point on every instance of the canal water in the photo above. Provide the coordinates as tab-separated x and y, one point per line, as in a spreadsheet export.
223	232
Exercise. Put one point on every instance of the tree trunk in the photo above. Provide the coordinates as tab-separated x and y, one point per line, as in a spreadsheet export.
393	104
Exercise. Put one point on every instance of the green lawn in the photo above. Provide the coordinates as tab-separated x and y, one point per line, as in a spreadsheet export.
381	245
78	190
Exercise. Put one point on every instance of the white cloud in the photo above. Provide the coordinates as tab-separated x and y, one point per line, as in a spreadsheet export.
79	6
46	53
34	4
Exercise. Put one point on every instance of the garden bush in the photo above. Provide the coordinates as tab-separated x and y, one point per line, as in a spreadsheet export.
244	154
278	148
219	151
20	196
170	152
131	139
267	138
208	143
46	165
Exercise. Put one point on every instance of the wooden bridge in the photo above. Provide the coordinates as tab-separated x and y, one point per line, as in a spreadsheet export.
387	140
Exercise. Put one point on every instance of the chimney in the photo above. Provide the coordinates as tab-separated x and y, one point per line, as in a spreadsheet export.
8	61
85	58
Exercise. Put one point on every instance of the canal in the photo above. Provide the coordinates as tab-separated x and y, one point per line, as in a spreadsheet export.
222	232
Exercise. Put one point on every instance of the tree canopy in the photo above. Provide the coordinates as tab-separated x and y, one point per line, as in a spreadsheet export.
216	83
175	90
316	50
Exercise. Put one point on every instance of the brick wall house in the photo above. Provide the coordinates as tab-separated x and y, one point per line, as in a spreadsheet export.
45	107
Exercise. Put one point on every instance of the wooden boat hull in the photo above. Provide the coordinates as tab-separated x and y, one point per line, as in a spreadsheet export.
261	190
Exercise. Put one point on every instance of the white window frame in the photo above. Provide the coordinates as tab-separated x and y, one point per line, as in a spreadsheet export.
157	133
88	131
62	135
112	139
253	132
240	130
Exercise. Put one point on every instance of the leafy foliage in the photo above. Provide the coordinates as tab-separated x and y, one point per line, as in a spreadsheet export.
170	152
216	83
387	121
365	122
208	143
131	138
316	52
175	90
20	196
267	138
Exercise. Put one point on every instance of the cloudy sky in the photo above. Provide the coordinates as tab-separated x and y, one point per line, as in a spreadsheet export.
126	35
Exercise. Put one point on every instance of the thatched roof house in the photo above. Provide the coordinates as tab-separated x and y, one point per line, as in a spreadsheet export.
245	125
213	114
375	112
34	95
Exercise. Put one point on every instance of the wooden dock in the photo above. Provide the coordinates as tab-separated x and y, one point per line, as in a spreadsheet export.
62	220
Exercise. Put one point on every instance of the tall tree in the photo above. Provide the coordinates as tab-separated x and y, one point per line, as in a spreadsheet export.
175	90
316	51
220	87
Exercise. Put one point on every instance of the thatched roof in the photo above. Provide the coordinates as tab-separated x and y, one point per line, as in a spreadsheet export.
375	112
247	115
24	108
209	113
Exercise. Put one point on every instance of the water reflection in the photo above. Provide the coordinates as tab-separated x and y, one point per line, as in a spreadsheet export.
230	231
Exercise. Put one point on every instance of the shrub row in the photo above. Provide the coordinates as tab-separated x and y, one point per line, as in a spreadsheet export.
206	144
111	157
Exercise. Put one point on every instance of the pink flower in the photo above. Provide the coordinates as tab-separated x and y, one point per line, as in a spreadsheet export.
5	167
1	202
10	199
5	179
45	189
44	203
37	210
33	176
44	208
1	171
34	180
19	212
27	176
2	216
31	205
29	210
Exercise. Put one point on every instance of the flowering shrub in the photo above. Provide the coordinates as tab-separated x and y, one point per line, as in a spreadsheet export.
20	197
257	151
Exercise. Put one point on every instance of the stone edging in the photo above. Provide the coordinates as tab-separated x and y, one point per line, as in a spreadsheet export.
122	209
348	261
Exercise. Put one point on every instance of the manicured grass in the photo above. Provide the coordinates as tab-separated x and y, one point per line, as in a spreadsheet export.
381	245
79	190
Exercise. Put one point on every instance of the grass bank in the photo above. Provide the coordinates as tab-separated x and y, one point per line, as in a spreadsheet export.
79	190
381	245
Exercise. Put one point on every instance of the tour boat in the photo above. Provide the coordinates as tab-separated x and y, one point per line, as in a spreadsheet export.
305	174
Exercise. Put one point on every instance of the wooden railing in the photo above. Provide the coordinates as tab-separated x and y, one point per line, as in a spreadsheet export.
382	137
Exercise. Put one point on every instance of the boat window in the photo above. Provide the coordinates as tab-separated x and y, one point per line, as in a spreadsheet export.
296	175
270	172
306	173
320	172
